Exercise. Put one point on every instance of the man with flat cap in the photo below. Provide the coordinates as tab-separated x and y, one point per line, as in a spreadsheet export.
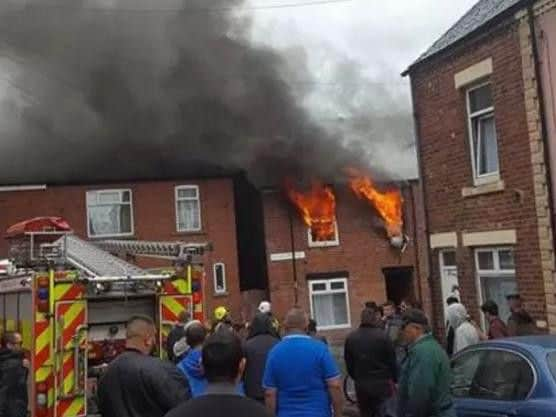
426	376
520	322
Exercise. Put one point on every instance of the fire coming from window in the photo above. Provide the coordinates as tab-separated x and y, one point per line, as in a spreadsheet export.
317	208
387	203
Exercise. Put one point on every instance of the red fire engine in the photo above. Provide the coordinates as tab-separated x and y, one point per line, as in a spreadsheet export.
70	300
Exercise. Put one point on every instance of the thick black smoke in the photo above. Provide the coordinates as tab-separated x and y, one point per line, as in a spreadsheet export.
113	89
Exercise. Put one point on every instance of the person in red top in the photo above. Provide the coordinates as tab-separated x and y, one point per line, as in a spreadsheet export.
496	327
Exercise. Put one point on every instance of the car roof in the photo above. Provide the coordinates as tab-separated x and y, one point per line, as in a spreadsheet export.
536	343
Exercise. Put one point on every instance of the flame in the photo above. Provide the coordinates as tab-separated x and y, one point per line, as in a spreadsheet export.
388	203
317	208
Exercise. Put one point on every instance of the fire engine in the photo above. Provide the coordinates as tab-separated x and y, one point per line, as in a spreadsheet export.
70	299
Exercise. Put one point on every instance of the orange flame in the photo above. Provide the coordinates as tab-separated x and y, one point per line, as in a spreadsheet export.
317	208
388	204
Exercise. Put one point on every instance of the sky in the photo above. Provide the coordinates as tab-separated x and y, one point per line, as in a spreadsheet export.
381	37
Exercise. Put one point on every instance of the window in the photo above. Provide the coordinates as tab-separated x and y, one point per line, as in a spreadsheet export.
492	375
188	208
330	303
109	213
219	275
334	241
496	276
482	128
448	276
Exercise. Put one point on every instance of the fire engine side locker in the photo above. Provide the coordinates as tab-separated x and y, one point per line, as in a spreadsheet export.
70	345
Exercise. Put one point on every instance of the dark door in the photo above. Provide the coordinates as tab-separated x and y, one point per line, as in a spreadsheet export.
399	284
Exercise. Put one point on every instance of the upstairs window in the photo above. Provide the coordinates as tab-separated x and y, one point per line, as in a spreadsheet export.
331	240
188	208
109	213
482	128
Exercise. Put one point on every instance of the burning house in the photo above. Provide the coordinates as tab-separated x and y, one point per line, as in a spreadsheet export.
146	129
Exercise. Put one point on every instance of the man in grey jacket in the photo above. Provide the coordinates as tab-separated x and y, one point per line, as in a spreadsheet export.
137	384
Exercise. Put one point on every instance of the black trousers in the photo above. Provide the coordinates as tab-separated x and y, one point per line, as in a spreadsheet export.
371	396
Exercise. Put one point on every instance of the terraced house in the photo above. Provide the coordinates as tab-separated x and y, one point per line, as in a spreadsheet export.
483	98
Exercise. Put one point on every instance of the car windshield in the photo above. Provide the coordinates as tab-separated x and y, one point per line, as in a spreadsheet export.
552	363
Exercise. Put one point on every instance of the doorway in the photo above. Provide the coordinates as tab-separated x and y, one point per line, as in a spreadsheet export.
399	284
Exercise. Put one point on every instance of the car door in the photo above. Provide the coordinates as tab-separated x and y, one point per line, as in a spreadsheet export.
491	382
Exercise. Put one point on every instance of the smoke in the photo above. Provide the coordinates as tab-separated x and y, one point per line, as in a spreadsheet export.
114	90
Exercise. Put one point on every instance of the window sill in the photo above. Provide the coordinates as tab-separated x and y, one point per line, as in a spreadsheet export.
112	237
330	245
482	189
192	233
329	328
220	294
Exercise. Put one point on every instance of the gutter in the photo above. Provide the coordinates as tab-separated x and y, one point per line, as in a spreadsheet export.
11	188
416	125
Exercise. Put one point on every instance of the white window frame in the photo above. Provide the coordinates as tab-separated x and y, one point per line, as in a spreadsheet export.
328	283
324	243
107	191
443	270
178	199
492	176
216	290
496	272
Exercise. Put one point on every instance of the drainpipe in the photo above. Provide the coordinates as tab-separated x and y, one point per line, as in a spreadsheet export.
434	319
544	128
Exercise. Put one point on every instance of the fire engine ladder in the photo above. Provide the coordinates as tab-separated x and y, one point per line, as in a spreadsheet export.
164	250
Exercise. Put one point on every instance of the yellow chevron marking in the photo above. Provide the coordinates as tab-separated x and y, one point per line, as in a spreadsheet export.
74	408
42	373
42	340
60	290
172	304
68	379
183	285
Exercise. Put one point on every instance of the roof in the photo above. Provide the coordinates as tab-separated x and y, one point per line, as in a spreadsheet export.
96	262
477	17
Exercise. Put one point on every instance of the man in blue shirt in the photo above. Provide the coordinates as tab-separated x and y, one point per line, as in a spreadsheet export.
301	377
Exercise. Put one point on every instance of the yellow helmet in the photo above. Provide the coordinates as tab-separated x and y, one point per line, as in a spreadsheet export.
220	313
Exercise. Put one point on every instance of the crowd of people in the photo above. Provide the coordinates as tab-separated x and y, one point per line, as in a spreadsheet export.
287	370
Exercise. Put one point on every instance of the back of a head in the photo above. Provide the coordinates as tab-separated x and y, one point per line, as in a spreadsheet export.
452	300
222	355
369	316
260	325
296	319
456	314
195	334
139	326
8	337
490	307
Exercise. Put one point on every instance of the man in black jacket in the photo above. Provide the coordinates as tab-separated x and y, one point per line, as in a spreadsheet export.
176	334
13	377
371	363
223	363
261	339
138	385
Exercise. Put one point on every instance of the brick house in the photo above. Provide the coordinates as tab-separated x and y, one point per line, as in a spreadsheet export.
483	159
334	279
250	232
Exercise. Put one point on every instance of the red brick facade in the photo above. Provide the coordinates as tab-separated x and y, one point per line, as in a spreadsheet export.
154	213
361	256
445	162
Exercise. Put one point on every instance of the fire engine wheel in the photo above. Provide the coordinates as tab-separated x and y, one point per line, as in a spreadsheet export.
349	390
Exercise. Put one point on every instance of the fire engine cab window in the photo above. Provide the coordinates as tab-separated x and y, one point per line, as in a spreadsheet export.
109	213
219	278
482	129
330	303
188	208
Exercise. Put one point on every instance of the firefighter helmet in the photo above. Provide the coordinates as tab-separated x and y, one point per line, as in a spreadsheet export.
220	313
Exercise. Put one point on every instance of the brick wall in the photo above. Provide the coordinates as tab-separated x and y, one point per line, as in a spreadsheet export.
154	219
363	252
446	163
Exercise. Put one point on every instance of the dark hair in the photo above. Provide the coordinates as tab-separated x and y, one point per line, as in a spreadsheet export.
312	327
8	337
490	307
368	316
371	304
222	354
195	335
389	303
452	300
